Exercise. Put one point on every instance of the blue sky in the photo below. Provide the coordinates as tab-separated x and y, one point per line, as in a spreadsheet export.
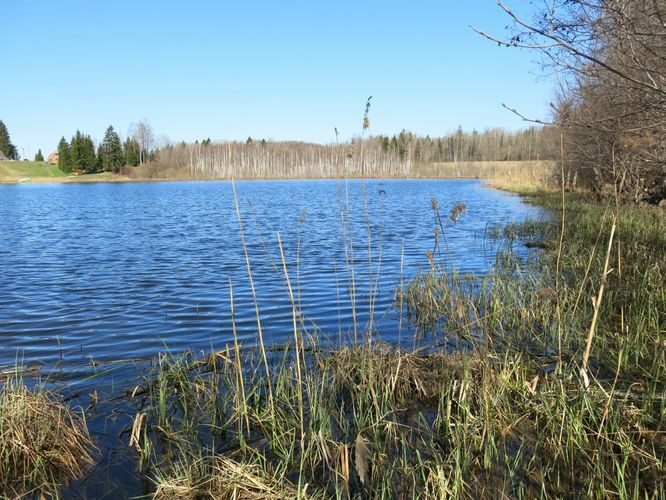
275	70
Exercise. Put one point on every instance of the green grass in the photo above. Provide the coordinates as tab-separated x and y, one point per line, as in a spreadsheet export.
14	170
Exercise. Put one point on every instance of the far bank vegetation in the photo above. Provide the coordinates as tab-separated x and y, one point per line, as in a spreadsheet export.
402	155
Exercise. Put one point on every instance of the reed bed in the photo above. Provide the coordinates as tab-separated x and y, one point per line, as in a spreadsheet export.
534	172
43	443
532	384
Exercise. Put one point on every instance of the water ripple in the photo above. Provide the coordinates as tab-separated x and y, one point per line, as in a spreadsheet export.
123	271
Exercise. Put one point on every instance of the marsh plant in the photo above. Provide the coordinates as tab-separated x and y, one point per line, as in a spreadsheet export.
43	443
534	384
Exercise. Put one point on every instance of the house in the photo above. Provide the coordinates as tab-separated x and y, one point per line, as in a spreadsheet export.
53	158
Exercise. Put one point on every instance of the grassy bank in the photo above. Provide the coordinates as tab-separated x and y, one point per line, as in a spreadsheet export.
36	171
12	171
536	172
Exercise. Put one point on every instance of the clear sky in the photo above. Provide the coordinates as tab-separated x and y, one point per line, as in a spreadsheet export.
275	70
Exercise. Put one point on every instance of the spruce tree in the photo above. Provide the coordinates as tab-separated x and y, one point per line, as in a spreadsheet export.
111	152
6	146
88	156
83	157
76	163
64	156
131	150
39	156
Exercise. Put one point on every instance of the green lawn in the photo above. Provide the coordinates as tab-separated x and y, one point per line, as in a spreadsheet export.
14	170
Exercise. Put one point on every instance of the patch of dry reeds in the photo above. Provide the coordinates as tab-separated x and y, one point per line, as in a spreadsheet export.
43	443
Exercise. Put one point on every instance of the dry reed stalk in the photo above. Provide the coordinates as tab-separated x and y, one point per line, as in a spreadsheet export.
597	305
349	251
239	368
262	346
137	427
401	294
298	347
43	444
369	236
343	471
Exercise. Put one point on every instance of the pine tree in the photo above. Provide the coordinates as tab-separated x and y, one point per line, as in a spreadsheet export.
111	152
64	156
88	156
83	157
131	150
6	146
39	156
75	150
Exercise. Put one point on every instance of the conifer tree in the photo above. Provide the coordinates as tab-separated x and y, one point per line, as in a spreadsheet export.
64	156
131	150
75	160
83	157
111	152
6	146
88	156
39	156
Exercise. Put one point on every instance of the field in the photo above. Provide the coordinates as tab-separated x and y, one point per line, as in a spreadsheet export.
537	171
12	171
37	171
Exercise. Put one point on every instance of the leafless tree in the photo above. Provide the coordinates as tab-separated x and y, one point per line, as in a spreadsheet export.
142	133
403	155
611	55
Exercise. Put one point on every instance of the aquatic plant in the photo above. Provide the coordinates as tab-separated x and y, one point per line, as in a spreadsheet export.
512	398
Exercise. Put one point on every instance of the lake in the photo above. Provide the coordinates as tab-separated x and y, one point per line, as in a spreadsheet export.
96	273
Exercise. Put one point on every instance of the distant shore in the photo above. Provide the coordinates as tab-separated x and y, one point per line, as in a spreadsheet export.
20	172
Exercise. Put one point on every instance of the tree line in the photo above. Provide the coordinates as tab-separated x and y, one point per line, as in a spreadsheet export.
494	144
372	156
81	155
610	112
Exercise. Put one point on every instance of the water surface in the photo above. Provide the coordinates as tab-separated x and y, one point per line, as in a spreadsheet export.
94	273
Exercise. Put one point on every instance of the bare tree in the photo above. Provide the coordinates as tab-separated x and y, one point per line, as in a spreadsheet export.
142	133
611	55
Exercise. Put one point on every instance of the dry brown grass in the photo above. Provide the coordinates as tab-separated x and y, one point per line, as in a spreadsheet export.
539	171
43	443
222	477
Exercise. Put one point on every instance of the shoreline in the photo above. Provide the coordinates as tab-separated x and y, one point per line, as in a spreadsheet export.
527	172
78	180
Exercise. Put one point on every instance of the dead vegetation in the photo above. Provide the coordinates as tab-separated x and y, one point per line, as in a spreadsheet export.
43	443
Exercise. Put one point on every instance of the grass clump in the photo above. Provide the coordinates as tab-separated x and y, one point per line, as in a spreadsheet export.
222	477
43	443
